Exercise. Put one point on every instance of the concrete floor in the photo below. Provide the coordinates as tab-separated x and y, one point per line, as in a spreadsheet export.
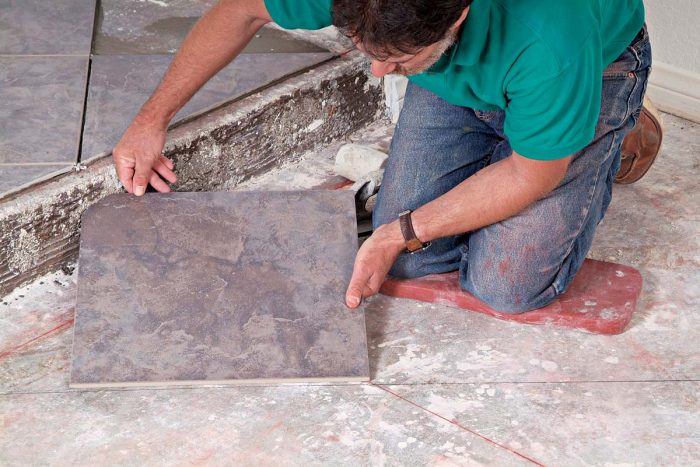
448	387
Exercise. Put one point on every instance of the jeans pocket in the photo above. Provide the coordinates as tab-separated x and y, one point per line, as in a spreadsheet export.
624	83
635	57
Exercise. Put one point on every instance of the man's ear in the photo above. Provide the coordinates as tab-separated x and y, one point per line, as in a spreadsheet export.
461	19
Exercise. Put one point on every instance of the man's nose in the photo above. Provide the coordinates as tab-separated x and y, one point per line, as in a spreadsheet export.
380	69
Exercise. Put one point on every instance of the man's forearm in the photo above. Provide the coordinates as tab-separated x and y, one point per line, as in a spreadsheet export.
493	194
212	43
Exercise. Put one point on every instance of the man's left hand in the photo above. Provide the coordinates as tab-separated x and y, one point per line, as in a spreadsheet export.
373	261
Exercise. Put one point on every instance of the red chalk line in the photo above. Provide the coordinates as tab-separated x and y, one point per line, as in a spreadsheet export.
62	325
459	426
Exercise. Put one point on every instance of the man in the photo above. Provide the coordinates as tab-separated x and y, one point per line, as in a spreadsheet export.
503	159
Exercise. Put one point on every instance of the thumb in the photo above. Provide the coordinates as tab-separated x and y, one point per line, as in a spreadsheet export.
353	296
142	174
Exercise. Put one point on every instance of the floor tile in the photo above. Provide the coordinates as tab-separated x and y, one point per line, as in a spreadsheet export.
158	27
150	27
38	27
303	425
15	175
120	84
42	105
269	40
184	288
578	423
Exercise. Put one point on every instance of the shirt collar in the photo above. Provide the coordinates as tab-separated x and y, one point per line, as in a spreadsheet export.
473	34
471	41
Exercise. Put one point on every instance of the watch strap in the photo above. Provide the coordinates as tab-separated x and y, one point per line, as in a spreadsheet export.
413	244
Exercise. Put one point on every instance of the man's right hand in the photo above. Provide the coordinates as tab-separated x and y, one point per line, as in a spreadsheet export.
139	160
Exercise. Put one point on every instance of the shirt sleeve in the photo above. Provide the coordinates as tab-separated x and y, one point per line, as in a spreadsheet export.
300	14
552	109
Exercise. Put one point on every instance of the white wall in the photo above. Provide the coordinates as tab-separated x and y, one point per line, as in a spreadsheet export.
674	27
675	33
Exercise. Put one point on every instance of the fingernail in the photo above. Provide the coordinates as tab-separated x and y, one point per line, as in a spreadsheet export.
353	301
139	190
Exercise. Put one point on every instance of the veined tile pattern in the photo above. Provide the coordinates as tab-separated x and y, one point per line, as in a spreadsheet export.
120	84
40	27
147	27
217	287
42	108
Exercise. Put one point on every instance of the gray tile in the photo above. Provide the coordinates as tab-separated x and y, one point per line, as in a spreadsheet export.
161	31
128	27
42	105
120	84
151	27
269	40
217	287
38	27
14	176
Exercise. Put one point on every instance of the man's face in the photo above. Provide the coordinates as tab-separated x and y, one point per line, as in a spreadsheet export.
412	64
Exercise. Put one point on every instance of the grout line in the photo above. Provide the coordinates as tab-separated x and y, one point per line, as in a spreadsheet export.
44	55
35	164
296	385
84	111
68	390
594	381
455	423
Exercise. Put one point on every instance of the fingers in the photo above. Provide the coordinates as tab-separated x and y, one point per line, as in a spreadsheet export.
131	173
167	162
142	174
364	284
126	175
354	294
164	167
374	284
158	183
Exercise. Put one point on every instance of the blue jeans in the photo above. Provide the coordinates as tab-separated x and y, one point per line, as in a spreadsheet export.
526	261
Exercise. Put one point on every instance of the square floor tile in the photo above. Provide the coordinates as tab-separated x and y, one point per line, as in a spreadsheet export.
40	27
188	288
42	107
120	84
14	176
131	28
269	40
145	27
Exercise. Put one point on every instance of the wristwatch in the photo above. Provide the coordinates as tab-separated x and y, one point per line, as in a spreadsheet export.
413	244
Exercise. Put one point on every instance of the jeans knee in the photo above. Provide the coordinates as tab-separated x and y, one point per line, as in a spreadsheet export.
406	266
507	297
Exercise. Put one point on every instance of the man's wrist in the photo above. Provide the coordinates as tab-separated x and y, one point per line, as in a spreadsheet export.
152	118
391	234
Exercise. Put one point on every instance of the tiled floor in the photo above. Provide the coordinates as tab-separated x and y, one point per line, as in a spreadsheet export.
38	27
120	84
448	387
45	51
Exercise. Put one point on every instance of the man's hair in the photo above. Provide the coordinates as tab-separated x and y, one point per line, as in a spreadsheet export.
390	27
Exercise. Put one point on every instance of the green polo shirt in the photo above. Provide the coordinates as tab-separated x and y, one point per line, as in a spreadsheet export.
541	61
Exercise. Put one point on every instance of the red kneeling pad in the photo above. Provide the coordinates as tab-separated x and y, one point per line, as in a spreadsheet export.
601	299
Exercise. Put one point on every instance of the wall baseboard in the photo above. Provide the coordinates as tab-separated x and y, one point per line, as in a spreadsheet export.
675	91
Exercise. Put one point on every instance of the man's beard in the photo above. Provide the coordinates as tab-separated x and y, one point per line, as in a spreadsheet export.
444	44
